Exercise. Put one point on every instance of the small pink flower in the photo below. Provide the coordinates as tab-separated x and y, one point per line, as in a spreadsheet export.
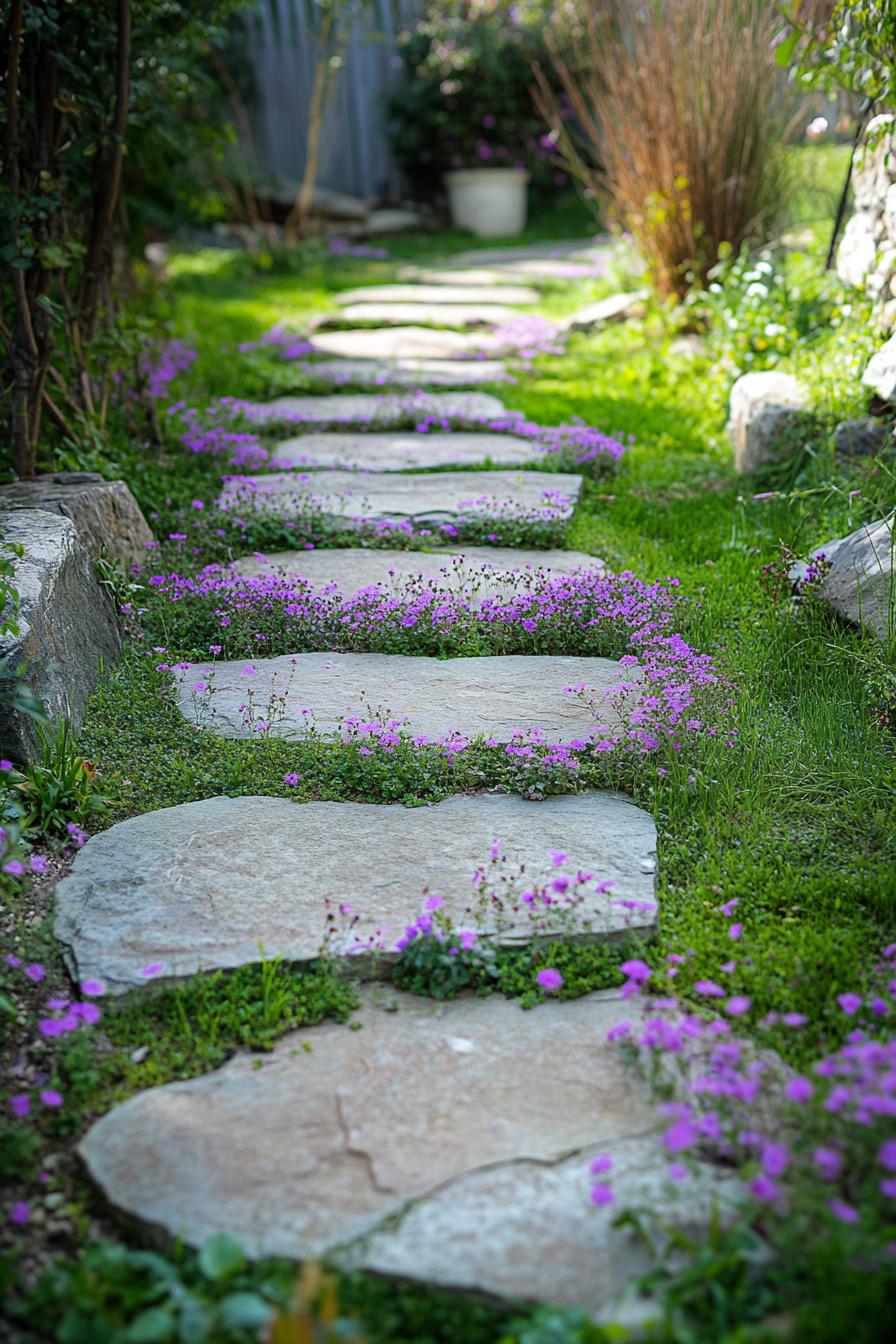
603	1162
20	1105
50	1097
602	1195
35	972
20	1213
549	980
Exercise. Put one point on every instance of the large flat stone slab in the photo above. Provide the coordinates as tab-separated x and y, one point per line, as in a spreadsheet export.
456	315
383	410
67	625
402	342
439	1143
228	881
405	372
439	294
479	571
106	515
397	451
344	497
498	697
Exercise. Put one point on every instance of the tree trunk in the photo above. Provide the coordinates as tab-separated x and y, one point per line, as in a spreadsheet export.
297	219
107	185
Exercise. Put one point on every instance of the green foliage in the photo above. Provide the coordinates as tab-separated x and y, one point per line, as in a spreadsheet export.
463	97
61	787
849	45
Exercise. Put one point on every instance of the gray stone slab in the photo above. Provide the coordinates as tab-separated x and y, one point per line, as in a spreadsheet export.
615	308
457	315
439	294
860	585
343	497
67	625
397	451
478	571
576	249
383	410
406	372
403	342
229	881
438	1143
436	698
106	515
763	408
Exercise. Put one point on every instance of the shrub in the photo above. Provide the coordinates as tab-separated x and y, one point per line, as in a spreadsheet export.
676	118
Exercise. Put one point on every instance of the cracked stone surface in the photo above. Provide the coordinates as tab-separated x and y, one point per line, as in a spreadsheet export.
210	884
476	1149
397	451
106	515
408	372
346	496
439	294
497	696
482	571
457	315
403	342
384	410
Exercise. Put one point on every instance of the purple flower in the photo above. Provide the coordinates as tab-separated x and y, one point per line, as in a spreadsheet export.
765	1190
50	1097
35	972
291	779
603	1162
549	980
828	1163
737	1005
602	1195
799	1089
20	1212
154	968
887	1155
845	1212
636	970
14	867
681	1135
94	989
20	1105
850	1003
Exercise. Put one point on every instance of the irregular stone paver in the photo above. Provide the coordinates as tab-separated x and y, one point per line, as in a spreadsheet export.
482	571
406	372
436	697
439	294
398	451
458	315
67	625
439	1143
396	343
556	249
616	308
106	515
228	881
342	497
382	410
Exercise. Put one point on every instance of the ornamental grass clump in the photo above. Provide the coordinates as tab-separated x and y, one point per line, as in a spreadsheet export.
677	121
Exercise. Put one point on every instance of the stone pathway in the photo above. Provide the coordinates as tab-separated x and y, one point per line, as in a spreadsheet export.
398	451
448	1144
437	698
344	497
483	571
193	887
445	1144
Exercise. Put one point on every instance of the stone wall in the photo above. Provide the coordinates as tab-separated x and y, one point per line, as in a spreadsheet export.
866	258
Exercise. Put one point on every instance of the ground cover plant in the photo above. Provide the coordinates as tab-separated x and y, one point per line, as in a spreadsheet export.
792	822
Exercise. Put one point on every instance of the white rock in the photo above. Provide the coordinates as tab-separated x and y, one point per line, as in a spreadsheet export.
880	371
761	409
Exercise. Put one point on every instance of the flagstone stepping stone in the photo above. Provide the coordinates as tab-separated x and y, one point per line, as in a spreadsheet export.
437	1143
458	315
615	308
483	571
229	881
396	451
474	277
439	294
406	371
436	699
344	497
580	248
382	410
397	343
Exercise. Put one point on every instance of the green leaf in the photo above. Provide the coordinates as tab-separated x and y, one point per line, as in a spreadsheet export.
221	1256
243	1311
155	1326
195	1322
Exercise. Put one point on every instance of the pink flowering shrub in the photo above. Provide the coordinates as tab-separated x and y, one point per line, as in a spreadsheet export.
163	363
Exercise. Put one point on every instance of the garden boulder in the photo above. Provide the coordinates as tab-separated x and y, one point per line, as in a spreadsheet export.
862	438
764	409
880	372
67	625
106	515
859	585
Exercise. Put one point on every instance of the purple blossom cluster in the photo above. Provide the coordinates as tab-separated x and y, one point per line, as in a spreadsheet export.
162	363
288	345
525	337
341	247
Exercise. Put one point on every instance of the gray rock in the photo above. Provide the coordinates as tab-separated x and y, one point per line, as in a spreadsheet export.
857	250
859	585
193	887
437	1143
435	698
107	516
67	625
763	409
393	220
616	308
382	410
439	294
344	497
862	438
398	343
397	451
457	315
483	571
880	372
406	371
